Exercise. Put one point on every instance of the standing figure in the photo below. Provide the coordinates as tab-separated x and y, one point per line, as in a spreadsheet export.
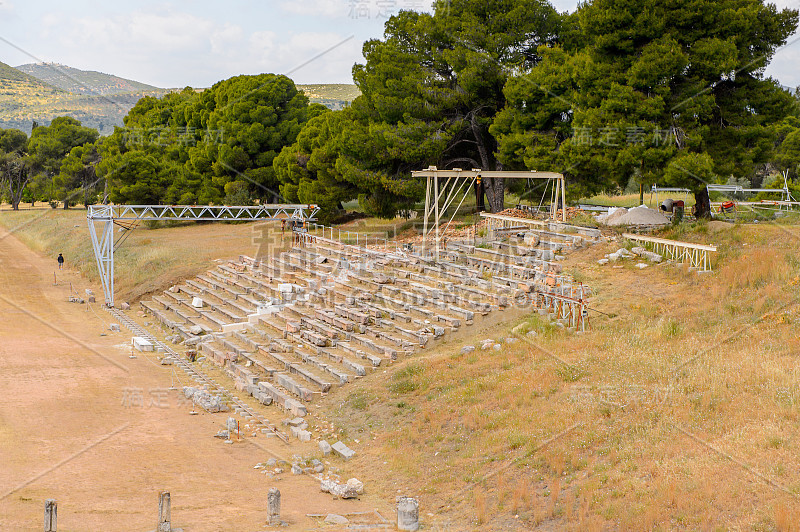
60	261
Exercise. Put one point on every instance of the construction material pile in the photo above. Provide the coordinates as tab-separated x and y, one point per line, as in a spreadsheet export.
636	216
572	212
516	213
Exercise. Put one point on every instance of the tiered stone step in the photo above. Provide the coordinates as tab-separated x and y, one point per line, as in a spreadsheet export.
321	316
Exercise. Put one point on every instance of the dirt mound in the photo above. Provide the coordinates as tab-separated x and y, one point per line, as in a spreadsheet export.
642	216
615	215
635	216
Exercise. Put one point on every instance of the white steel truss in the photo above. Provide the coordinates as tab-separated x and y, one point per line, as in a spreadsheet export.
108	215
439	198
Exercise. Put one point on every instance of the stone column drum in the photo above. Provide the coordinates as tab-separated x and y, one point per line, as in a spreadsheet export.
274	506
407	514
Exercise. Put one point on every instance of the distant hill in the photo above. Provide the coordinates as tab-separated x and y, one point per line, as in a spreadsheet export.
11	74
19	92
331	95
25	98
83	81
42	91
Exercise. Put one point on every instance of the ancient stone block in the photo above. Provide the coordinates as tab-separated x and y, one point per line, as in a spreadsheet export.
343	450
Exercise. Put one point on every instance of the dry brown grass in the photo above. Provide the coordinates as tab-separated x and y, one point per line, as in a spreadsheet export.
149	260
678	412
787	518
480	505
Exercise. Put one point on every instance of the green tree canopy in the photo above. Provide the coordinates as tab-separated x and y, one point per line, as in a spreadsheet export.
430	90
194	144
77	177
50	145
15	165
634	85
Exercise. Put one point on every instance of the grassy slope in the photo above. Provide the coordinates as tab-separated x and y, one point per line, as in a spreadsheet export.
331	91
669	413
148	260
333	96
9	73
82	81
24	99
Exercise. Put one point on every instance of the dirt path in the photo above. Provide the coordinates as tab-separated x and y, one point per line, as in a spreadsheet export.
101	433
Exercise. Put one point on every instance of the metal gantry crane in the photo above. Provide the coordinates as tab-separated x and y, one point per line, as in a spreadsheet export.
110	215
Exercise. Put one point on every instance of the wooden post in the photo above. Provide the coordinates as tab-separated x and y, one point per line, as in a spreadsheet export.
641	193
427	212
436	200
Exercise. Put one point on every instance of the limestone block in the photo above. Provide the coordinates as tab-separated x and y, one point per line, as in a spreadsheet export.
164	512
50	515
274	507
142	344
343	450
325	447
336	519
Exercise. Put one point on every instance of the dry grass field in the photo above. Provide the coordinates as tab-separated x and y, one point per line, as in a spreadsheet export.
148	259
678	410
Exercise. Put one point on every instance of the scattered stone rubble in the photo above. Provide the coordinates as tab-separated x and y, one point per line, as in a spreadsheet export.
350	490
204	399
623	253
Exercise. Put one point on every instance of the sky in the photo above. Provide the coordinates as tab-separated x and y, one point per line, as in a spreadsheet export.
196	43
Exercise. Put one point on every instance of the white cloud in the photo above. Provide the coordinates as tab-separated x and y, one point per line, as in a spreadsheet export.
262	42
316	8
355	9
228	35
784	66
173	32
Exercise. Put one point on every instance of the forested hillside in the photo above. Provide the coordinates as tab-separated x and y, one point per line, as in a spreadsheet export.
25	99
83	81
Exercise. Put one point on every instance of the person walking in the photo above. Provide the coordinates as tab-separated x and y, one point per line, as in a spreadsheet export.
60	261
